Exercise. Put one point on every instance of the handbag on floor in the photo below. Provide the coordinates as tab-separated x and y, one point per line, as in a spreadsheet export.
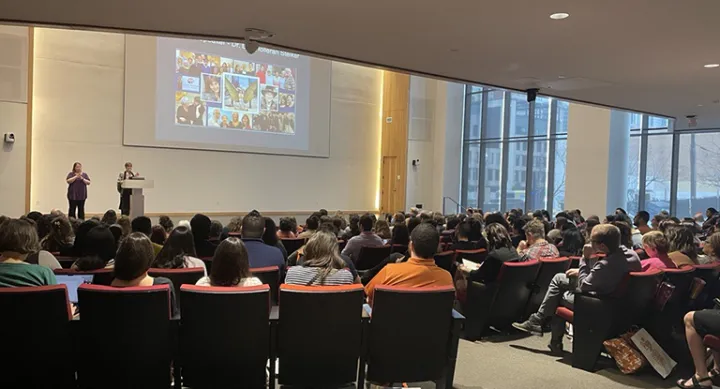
627	358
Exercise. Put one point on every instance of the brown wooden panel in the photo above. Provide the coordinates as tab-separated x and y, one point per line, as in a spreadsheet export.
395	108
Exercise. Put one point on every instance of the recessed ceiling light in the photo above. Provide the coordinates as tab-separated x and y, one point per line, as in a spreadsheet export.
700	105
559	16
561	77
712	65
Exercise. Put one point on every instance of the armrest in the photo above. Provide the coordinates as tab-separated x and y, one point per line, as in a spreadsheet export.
457	315
274	313
367	310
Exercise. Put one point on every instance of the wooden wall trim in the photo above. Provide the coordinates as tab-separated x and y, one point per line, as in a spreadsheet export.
28	129
394	140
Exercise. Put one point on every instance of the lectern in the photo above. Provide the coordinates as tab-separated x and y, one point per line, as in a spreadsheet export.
137	198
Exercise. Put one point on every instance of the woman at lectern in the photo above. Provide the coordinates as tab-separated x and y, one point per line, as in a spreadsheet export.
125	193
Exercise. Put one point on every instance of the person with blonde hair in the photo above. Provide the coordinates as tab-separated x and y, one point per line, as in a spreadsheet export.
656	246
321	263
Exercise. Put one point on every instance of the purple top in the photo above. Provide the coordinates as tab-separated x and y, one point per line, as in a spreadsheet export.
77	190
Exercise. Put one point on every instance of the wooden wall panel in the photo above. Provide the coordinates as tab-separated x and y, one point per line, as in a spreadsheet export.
396	116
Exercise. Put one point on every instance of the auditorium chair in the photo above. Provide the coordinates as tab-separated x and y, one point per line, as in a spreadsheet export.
37	348
549	267
208	263
447	237
100	276
399	248
575	262
319	335
477	256
446	260
292	245
708	273
413	336
179	277
224	336
712	342
270	276
598	318
125	337
370	257
500	303
65	262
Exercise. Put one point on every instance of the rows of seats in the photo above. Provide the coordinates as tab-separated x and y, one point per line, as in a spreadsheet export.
319	336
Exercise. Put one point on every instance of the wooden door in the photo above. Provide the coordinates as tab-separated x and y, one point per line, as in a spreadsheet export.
389	201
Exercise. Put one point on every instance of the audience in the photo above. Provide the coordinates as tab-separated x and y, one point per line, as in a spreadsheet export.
626	245
400	234
216	230
500	249
200	226
270	236
61	237
18	240
463	233
382	229
124	223
311	225
711	249
641	222
97	250
259	253
166	223
80	234
287	229
683	250
712	219
518	234
420	270
353	228
600	275
43	225
231	266
143	224
179	252
158	235
367	238
535	246
571	243
321	264
656	247
109	218
132	263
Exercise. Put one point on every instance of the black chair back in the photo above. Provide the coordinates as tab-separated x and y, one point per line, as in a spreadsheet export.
124	336
371	256
708	273
398	352
100	276
399	248
37	346
65	261
319	334
269	276
292	245
208	263
224	336
179	277
445	260
477	256
642	288
548	268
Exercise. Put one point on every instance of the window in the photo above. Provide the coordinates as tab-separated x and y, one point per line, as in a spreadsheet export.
658	172
698	186
524	151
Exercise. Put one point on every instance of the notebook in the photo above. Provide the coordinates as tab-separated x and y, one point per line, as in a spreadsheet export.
72	282
471	265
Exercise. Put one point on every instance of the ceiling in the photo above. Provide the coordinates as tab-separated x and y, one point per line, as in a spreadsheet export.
644	55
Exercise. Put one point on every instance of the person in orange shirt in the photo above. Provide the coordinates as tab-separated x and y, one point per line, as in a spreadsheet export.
420	270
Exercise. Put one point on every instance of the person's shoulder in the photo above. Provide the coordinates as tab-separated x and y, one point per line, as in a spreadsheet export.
205	281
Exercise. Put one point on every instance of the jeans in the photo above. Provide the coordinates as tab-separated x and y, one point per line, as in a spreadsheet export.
560	292
80	206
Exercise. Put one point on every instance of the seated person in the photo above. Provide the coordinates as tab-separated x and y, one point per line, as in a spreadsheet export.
143	224
200	226
656	246
501	251
179	251
683	250
216	230
97	251
571	243
230	266
598	275
132	263
627	246
697	325
367	238
321	264
297	257
260	254
420	270
18	239
287	228
158	235
465	232
400	234
270	236
711	249
517	234
311	225
535	246
641	221
61	236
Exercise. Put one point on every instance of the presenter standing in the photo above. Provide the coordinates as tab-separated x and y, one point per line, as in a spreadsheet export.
77	190
125	193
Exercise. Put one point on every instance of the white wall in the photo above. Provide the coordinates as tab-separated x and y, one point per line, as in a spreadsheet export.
13	118
434	137
78	111
588	148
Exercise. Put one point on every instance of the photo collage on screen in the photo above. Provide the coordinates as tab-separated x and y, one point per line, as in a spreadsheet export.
215	91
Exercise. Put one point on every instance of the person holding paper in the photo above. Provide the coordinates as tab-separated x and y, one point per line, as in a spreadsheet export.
501	251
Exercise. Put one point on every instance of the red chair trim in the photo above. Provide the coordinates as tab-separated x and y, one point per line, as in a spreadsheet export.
41	289
707	266
680	270
182	270
320	289
224	289
521	264
554	260
445	254
82	272
648	273
129	289
265	269
565	313
476	251
408	289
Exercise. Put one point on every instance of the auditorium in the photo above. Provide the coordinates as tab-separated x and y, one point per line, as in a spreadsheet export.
367	195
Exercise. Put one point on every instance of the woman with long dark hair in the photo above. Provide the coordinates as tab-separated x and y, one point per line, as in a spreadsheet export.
179	251
230	266
270	237
61	236
500	250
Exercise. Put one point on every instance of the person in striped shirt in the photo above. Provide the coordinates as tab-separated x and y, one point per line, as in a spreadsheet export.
321	264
